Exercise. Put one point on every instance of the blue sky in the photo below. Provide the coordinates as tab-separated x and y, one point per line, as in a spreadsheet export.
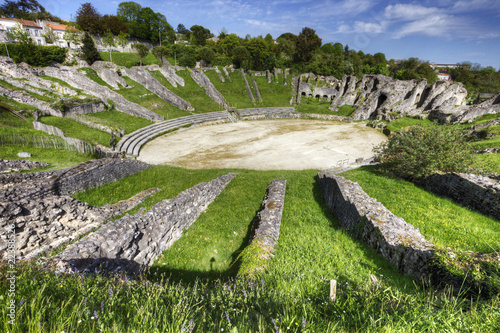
441	31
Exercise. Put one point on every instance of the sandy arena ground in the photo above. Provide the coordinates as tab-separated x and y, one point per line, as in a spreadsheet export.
264	145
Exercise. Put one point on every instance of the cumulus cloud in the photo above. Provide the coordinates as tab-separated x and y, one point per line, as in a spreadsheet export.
374	28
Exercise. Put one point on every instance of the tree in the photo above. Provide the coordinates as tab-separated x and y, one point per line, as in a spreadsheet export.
199	35
50	36
128	11
160	52
113	24
122	40
89	19
71	35
141	49
240	56
19	34
422	151
108	41
89	51
307	43
207	55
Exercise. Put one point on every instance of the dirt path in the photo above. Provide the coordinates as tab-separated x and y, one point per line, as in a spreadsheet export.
264	145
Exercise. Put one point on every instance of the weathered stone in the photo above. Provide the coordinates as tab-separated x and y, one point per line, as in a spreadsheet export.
108	72
396	240
143	77
169	73
480	193
249	91
18	165
133	243
203	81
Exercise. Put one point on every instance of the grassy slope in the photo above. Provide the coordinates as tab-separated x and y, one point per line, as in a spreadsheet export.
76	130
235	93
273	94
440	220
130	59
128	122
138	94
191	92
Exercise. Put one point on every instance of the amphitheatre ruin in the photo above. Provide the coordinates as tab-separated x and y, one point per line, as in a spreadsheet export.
47	217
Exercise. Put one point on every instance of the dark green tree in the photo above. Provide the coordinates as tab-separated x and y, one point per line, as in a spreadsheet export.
199	35
160	52
307	43
89	19
207	55
89	51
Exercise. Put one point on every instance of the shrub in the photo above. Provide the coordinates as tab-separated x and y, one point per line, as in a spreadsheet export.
421	151
89	51
34	55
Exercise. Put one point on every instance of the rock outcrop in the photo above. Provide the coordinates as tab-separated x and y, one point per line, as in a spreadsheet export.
143	77
169	73
203	81
108	72
18	165
81	81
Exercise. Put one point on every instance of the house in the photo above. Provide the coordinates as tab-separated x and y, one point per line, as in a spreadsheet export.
59	29
32	27
444	77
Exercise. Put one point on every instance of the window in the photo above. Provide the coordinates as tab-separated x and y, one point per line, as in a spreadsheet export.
39	42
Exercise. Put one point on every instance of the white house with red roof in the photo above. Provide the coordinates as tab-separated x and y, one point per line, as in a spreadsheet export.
444	77
32	27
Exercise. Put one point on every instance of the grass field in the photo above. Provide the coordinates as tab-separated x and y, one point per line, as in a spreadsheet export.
76	130
130	59
235	93
193	286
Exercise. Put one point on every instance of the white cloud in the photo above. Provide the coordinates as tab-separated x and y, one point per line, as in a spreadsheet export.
409	12
434	25
374	28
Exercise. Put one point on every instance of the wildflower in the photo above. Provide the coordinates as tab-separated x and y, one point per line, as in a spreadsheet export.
275	326
244	294
227	317
304	322
21	302
95	315
110	292
102	306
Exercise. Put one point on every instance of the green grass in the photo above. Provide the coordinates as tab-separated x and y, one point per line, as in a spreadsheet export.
312	105
235	93
400	123
128	122
46	97
293	296
136	93
191	92
440	220
61	82
76	130
12	124
130	59
92	74
273	94
56	158
16	105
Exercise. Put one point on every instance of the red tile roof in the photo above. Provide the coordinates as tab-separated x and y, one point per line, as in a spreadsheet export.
26	23
59	26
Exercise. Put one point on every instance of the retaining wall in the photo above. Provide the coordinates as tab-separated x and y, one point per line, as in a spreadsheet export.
133	242
367	219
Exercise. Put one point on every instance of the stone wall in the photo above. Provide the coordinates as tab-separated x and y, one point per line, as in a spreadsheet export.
367	219
143	77
249	91
133	242
476	192
18	165
108	72
68	181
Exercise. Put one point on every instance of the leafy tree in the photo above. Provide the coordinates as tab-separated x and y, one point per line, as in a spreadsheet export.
121	39
171	37
113	24
240	56
26	9
141	49
307	43
89	51
199	35
109	41
50	36
19	34
89	19
422	151
207	55
160	52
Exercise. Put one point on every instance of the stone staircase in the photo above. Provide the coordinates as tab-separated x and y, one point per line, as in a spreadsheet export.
132	143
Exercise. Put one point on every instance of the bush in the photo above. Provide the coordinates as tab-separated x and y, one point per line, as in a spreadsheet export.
89	51
424	150
34	55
